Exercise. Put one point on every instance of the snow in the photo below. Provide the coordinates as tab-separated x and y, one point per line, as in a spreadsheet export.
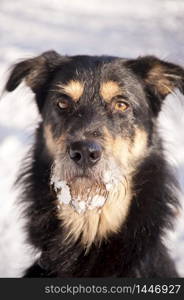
64	196
97	201
79	206
62	190
124	28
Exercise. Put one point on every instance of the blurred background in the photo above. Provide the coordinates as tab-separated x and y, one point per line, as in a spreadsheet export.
114	27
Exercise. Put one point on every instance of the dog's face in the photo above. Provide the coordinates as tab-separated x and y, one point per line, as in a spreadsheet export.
91	129
98	126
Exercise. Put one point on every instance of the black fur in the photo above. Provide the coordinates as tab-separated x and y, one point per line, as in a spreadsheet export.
137	250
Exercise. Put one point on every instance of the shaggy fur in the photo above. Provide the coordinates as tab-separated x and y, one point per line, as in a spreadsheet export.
112	104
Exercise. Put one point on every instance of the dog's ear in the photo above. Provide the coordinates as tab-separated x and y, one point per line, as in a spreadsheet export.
159	78
35	71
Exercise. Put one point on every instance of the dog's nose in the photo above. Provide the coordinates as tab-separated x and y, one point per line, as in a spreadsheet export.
85	153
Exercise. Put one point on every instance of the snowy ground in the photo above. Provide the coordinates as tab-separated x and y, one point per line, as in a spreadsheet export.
124	28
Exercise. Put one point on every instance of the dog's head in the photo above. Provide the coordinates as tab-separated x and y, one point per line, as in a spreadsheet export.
98	123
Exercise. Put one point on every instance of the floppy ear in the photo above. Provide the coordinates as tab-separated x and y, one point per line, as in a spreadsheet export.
36	72
159	78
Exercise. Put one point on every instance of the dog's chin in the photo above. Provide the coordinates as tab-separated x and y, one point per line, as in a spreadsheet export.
82	193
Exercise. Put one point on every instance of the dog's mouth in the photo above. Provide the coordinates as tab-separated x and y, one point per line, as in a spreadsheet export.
85	190
82	193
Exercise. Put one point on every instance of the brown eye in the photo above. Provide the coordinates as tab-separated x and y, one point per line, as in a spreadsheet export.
63	104
121	105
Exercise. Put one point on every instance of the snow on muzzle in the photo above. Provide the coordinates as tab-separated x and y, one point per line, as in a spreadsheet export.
84	193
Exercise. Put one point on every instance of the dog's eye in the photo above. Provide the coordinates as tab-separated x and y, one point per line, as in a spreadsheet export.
63	104
121	106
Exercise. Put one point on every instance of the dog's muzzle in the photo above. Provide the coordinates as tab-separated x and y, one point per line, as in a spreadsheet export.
84	178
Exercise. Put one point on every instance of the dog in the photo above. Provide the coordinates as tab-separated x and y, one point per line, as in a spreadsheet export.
98	191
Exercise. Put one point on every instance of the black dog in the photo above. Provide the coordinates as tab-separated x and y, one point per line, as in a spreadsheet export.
98	189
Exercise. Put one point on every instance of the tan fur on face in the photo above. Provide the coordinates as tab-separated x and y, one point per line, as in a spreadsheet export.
109	90
73	89
139	147
53	145
117	147
123	149
50	142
